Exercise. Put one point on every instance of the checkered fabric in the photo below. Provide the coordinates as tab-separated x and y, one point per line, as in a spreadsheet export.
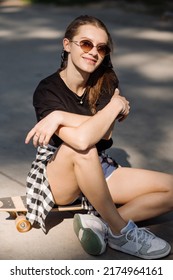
39	197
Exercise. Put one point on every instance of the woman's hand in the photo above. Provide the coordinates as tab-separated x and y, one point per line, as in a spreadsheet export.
123	103
44	129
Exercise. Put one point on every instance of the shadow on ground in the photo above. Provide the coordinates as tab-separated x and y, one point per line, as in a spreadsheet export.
30	42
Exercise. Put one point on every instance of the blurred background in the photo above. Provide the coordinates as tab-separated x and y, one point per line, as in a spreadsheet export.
157	6
31	33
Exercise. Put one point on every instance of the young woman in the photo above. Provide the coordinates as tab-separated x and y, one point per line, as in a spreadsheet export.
77	108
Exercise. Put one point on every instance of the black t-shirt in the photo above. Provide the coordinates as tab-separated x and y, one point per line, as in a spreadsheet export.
52	94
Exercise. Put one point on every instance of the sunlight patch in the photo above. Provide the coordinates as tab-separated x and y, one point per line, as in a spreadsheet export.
44	34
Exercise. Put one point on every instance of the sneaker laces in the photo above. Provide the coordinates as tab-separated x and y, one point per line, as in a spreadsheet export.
139	235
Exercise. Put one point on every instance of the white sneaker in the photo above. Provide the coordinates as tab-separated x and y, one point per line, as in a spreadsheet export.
91	232
139	242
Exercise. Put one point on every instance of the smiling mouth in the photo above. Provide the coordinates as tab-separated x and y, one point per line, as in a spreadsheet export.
90	60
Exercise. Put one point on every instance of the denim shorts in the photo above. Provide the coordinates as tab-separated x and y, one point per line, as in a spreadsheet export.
108	164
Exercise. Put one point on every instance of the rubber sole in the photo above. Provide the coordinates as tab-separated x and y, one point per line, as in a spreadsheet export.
89	240
145	257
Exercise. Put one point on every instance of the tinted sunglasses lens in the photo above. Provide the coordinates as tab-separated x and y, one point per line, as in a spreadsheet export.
103	50
86	46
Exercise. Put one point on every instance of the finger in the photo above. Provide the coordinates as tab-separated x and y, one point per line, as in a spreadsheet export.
123	115
116	92
41	139
36	140
122	118
46	140
30	135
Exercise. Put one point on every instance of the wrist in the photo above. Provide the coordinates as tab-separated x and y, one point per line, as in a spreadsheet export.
116	107
58	116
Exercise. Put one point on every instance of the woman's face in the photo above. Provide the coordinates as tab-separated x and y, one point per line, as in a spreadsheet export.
79	58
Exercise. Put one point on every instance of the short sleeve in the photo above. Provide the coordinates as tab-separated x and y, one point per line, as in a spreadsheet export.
46	100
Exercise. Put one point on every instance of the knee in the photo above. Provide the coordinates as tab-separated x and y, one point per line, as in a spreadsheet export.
169	193
88	155
78	155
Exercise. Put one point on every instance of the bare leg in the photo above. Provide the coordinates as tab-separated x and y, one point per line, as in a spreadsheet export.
72	172
144	194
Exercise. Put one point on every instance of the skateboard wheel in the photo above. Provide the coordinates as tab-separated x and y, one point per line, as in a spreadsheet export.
22	224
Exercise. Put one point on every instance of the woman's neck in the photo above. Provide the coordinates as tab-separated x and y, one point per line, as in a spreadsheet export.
75	82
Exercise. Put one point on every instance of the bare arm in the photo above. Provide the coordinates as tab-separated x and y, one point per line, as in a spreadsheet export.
78	131
95	128
49	125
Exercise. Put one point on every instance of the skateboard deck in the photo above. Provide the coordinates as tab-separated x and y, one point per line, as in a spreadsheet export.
16	207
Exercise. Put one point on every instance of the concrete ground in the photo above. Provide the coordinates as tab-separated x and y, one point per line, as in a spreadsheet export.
30	44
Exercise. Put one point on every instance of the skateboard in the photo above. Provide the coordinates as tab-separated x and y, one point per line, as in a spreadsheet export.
16	207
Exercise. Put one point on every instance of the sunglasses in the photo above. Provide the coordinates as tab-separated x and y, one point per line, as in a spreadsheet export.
87	46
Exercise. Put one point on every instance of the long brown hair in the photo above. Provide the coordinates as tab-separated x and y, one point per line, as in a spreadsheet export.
104	74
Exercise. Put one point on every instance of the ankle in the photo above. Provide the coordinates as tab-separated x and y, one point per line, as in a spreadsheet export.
116	230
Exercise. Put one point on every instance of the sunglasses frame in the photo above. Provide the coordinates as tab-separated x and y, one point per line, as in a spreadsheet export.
79	44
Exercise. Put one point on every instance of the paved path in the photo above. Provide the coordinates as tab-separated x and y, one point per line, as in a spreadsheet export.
30	44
